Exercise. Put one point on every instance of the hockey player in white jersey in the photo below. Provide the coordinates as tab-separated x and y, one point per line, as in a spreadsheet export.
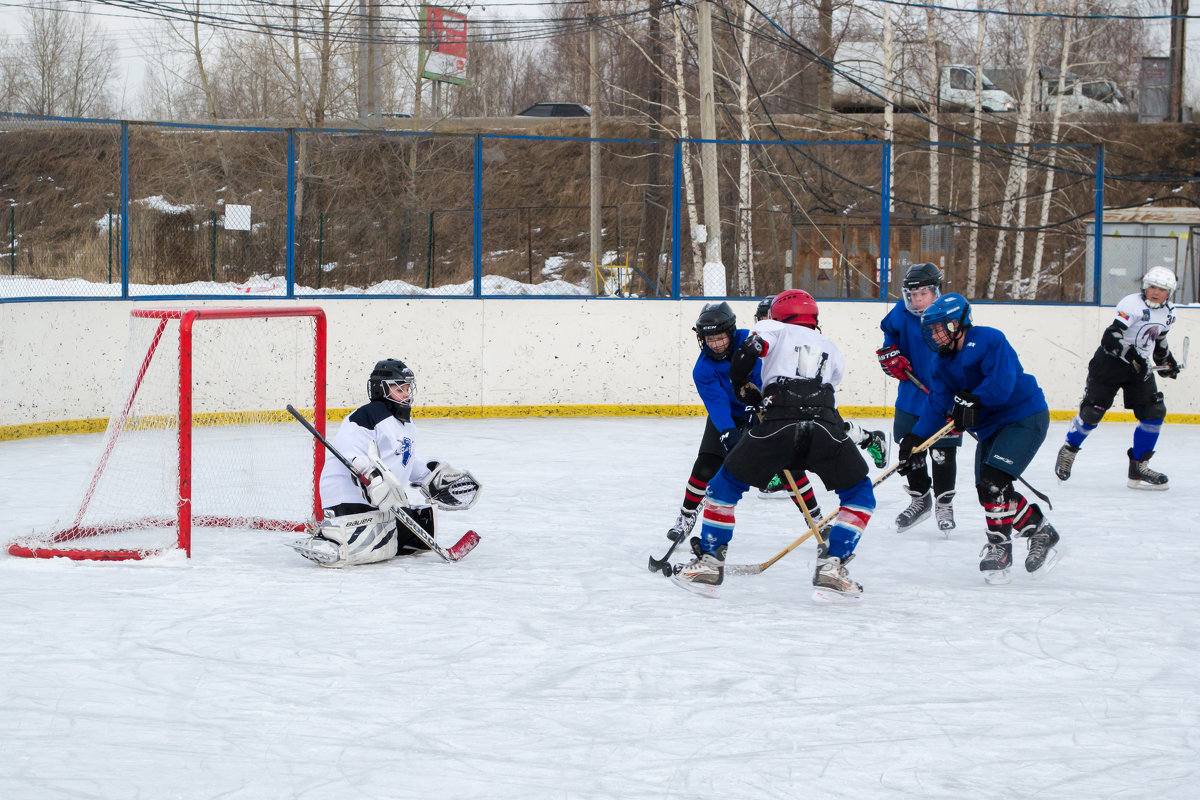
1137	336
801	430
379	439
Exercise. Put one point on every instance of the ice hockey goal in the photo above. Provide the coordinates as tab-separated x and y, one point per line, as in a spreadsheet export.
199	435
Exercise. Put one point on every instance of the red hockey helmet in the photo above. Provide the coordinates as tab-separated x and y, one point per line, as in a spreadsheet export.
796	307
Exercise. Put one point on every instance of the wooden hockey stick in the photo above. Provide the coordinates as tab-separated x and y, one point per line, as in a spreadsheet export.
755	569
812	525
455	552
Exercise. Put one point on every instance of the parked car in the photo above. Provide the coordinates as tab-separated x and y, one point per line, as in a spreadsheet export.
556	110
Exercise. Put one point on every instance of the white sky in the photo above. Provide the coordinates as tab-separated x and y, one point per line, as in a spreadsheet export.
550	663
128	31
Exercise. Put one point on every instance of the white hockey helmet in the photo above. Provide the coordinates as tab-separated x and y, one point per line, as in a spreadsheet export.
1159	278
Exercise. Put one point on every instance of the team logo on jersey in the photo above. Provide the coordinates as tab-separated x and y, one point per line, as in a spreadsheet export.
1145	315
405	450
1123	315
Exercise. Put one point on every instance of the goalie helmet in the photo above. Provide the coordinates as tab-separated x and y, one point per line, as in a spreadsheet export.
388	379
1159	278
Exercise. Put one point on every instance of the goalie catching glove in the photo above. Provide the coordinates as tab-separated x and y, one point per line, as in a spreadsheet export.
448	488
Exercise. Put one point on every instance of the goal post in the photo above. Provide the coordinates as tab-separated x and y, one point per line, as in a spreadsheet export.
199	435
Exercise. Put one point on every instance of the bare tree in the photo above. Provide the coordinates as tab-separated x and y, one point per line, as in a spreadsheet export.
67	64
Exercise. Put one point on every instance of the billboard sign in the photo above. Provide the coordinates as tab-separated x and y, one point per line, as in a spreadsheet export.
443	52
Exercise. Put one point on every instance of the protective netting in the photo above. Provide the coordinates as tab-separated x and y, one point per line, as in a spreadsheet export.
199	435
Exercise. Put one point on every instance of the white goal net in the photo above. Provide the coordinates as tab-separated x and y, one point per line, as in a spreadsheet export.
199	434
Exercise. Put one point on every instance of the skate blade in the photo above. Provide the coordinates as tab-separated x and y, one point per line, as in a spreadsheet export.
906	528
831	597
1053	556
701	589
998	577
1148	487
775	495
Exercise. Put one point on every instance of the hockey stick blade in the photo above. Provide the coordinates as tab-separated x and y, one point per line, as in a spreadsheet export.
462	547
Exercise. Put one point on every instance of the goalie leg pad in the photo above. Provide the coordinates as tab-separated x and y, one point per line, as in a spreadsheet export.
448	488
359	539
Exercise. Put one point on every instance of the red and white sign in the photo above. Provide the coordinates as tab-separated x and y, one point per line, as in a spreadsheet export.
443	45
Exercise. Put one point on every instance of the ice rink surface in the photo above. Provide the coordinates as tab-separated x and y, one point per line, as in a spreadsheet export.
552	664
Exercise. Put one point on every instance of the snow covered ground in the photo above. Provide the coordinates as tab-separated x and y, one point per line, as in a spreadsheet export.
552	664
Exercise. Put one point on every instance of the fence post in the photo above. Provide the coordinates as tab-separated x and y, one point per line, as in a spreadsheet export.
885	232
124	209
110	244
320	246
1098	228
429	254
477	220
212	260
676	213
291	212
12	240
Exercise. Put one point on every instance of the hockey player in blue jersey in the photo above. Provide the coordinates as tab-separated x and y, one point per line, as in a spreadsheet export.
1137	335
718	336
800	430
978	382
904	356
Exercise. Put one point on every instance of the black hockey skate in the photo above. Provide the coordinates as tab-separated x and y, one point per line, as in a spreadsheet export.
918	511
996	558
683	524
1043	553
1066	459
1142	477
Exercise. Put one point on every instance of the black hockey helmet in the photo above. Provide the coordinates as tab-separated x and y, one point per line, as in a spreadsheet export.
918	277
716	318
387	374
764	308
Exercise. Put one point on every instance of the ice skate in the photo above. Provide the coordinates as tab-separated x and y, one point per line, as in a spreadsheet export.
877	447
704	574
1142	477
996	560
943	512
1043	552
831	581
1066	459
918	511
776	489
684	524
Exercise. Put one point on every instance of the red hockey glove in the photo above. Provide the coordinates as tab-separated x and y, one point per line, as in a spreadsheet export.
893	362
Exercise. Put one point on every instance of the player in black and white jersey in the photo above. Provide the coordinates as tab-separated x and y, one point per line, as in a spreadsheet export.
1137	336
801	430
379	439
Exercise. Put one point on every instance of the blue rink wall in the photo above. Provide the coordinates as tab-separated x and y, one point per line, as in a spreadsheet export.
60	362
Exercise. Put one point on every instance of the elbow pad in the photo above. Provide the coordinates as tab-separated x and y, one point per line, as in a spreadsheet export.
744	357
1110	340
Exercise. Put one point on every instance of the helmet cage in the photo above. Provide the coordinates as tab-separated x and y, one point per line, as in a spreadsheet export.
715	319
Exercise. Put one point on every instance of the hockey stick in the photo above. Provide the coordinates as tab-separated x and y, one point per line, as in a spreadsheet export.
754	569
1183	351
1040	496
455	552
662	564
812	525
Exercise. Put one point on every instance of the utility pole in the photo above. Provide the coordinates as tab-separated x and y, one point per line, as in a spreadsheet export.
1179	10
594	133
368	62
708	157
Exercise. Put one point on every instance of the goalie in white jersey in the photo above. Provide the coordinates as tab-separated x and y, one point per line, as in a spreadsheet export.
801	430
379	439
1137	336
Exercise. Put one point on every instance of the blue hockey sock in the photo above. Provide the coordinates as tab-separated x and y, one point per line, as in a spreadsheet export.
1078	432
1145	436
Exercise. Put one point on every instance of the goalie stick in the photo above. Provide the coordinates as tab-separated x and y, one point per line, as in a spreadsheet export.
755	569
455	552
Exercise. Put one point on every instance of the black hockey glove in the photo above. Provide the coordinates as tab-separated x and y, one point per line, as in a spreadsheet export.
730	438
1163	358
966	411
1110	340
749	394
909	462
1137	363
